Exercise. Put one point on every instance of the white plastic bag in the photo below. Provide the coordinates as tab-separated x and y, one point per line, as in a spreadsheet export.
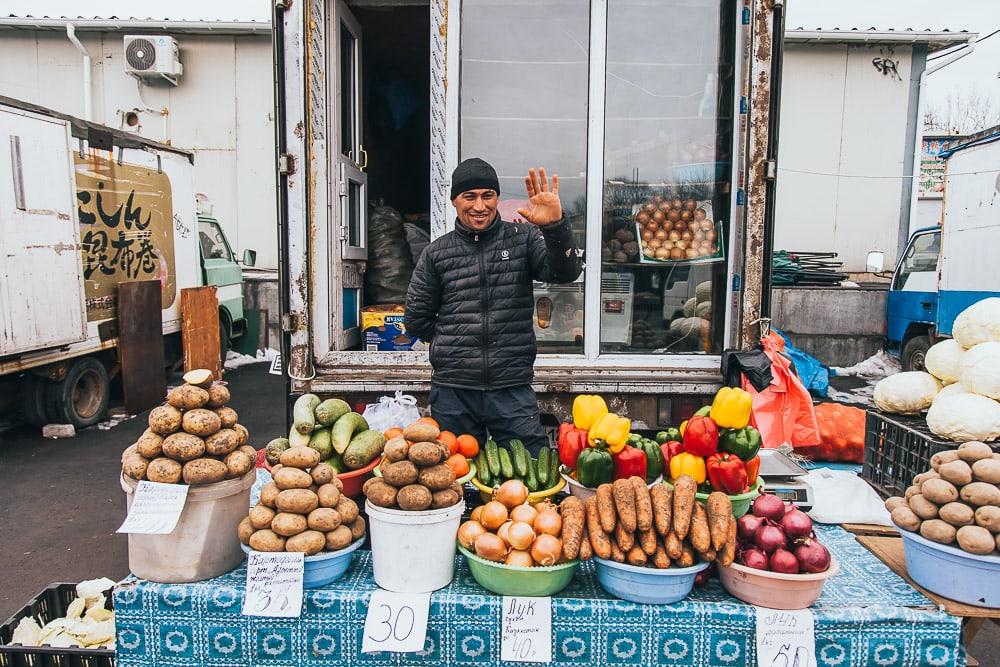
391	411
840	496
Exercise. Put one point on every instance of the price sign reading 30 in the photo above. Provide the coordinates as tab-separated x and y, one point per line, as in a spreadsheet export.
396	622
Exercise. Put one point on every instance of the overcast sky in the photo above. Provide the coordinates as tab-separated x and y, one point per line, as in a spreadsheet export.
981	70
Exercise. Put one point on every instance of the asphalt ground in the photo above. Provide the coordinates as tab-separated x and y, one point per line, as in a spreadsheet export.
62	502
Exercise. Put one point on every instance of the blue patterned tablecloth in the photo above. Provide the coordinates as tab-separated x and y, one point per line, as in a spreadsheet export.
866	616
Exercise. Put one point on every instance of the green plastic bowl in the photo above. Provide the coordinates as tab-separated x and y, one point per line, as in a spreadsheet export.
513	580
741	502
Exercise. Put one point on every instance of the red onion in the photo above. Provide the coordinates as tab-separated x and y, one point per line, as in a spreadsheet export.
813	556
754	558
796	524
746	526
769	506
702	578
769	537
784	561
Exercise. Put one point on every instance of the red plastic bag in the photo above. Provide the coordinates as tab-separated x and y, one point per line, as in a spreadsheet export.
841	434
783	412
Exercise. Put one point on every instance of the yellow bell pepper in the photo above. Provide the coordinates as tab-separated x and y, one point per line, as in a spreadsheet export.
686	463
731	408
612	430
587	410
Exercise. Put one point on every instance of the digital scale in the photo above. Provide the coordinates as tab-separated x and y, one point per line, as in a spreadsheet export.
781	477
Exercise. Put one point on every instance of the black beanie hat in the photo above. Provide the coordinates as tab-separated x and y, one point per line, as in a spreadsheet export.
473	174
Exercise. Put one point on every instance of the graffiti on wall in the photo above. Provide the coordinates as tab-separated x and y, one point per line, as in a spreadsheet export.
885	64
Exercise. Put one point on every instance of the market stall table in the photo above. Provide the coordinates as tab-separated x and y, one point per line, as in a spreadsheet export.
867	615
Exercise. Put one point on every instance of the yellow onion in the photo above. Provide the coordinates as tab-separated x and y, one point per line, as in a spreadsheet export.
511	493
549	523
519	558
502	532
520	535
525	513
476	513
468	532
546	549
493	515
490	547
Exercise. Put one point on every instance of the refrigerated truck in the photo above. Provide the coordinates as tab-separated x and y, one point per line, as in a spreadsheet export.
364	92
84	207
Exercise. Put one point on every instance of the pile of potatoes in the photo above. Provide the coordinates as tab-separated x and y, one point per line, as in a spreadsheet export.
303	509
957	500
414	476
193	438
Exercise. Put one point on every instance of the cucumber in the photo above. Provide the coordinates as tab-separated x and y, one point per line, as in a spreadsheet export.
363	448
520	456
345	428
321	441
482	468
506	464
543	468
553	470
330	410
531	479
303	413
272	452
296	439
493	457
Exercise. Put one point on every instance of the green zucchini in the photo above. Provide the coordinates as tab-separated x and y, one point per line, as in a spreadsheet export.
345	428
321	441
303	413
543	468
296	439
363	449
553	470
520	456
330	410
493	457
274	448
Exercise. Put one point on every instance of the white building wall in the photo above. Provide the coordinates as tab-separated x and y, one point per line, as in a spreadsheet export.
222	110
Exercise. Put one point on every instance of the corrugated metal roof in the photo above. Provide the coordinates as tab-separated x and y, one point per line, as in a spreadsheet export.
132	23
935	40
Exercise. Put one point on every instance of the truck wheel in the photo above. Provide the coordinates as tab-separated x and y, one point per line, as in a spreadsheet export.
31	402
914	352
82	398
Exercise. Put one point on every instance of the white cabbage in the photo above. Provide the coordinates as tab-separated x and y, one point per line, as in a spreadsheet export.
963	417
689	307
951	390
704	310
983	376
906	393
26	633
703	292
979	323
944	360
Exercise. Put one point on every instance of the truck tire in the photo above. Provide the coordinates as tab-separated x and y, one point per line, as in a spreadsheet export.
31	400
914	351
82	398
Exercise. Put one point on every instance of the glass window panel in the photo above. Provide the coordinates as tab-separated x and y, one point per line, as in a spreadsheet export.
354	203
523	103
921	256
213	241
668	133
348	90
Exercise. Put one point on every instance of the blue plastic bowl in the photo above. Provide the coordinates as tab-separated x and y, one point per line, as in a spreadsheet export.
952	573
324	568
646	585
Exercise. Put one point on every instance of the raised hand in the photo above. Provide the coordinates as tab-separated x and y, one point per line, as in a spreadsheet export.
544	205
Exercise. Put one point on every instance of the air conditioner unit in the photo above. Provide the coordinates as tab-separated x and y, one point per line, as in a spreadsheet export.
153	57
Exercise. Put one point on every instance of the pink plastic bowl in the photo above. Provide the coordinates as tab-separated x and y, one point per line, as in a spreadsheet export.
773	589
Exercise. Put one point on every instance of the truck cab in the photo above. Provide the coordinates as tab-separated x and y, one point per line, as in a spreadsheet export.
913	299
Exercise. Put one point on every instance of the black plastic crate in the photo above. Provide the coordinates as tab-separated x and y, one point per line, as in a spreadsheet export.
898	448
49	604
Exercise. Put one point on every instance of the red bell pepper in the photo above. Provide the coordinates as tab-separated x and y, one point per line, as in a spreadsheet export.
701	437
727	473
753	469
629	462
670	450
572	441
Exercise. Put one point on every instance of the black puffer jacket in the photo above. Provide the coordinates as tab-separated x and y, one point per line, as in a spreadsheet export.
471	296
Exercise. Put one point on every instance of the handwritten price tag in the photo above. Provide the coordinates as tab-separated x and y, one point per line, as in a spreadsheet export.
396	622
155	509
526	629
785	638
274	584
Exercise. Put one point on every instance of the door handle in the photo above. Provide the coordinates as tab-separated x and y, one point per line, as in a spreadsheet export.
925	304
363	154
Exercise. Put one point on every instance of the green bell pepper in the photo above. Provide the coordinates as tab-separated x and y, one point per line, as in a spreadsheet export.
667	435
654	458
742	442
633	439
594	467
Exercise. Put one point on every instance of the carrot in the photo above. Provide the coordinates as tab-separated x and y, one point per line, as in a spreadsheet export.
662	499
625	504
625	539
673	545
643	503
617	555
636	556
585	551
720	509
728	552
684	490
687	556
572	513
660	559
606	508
647	540
699	535
599	541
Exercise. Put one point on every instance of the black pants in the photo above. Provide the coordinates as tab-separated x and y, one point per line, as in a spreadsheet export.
504	414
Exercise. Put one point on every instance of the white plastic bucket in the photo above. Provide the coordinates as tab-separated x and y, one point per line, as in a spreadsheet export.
413	552
204	544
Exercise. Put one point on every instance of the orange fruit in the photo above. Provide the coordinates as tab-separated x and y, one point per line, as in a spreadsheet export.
448	438
429	420
468	446
393	433
458	464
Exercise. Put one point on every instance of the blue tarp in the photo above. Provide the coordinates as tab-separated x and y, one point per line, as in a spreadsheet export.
814	375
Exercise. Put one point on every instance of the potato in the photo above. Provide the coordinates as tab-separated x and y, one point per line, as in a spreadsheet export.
222	442
287	524
437	478
414	498
938	531
228	416
322	473
238	464
973	451
984	470
245	530
323	519
924	476
296	501
164	470
261	516
165	419
199	377
379	493
329	495
912	491
299	457
957	472
358	528
201	422
267	540
904	517
941	458
242	432
399	473
981	493
989	518
396	449
187	397
425	454
445	498
310	542
894	502
339	538
250	451
938	491
275	469
183	447
135	466
976	540
204	471
347	509
420	432
218	395
292	478
957	514
149	445
922	507
269	493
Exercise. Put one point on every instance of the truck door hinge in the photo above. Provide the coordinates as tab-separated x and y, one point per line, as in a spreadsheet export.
771	170
286	323
286	164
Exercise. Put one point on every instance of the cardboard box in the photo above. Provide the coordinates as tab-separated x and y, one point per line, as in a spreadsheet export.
383	330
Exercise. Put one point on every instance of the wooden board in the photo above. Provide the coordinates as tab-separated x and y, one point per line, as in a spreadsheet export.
890	551
200	329
870	529
140	345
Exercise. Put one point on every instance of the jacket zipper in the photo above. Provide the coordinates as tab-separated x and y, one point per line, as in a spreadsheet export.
483	287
